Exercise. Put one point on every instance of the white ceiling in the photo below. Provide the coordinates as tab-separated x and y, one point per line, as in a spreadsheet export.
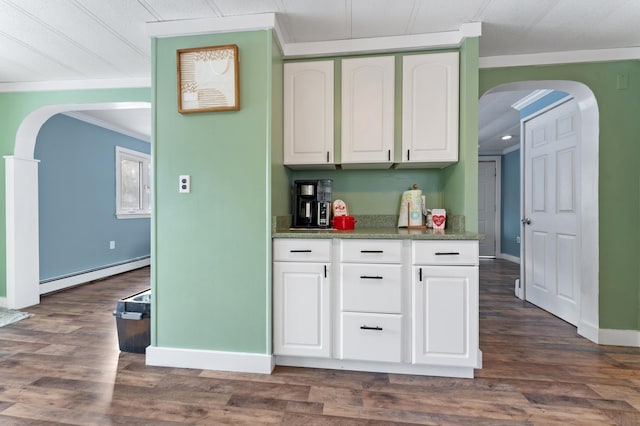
45	40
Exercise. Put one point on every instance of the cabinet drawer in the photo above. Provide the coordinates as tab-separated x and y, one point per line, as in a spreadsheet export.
377	251
445	252
371	288
371	337
301	250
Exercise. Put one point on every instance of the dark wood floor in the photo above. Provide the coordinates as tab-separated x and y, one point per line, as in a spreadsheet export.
62	366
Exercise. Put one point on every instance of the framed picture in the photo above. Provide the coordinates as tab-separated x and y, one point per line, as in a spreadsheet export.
208	79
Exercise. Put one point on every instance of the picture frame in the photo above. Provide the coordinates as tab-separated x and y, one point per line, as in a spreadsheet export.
208	79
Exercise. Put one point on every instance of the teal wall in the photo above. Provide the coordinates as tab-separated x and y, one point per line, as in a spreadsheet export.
619	176
510	203
16	106
76	190
211	248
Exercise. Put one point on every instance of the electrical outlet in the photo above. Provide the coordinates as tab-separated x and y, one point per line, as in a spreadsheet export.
184	184
112	245
518	239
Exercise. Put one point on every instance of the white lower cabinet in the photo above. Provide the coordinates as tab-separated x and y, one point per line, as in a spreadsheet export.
445	304
445	316
301	299
398	305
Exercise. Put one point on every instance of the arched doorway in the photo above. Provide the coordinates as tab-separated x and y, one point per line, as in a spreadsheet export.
588	324
21	186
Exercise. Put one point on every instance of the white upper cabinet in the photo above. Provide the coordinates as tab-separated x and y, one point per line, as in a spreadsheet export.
430	90
368	112
308	114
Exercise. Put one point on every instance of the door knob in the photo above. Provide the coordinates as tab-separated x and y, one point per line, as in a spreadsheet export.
526	221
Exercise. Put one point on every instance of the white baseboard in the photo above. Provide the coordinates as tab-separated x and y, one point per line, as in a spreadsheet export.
75	280
508	257
386	367
619	337
589	331
210	360
3	302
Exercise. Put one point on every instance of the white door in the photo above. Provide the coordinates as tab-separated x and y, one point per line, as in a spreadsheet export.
487	208
551	211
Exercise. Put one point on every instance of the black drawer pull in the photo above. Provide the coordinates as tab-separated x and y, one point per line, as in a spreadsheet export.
447	253
368	277
300	251
364	327
371	251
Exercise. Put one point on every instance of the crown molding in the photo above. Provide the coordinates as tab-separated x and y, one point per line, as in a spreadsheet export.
48	86
530	98
568	57
440	40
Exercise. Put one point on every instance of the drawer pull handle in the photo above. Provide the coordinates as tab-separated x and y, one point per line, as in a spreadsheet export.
371	251
368	277
364	327
447	253
300	251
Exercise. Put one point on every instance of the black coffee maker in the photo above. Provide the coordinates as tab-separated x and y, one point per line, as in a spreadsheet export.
312	203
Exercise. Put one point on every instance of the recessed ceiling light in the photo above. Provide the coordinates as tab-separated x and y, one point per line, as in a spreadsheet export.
506	137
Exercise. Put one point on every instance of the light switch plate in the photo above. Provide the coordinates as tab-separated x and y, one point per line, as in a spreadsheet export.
184	184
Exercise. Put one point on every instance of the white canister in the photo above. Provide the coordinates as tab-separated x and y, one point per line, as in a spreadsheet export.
439	218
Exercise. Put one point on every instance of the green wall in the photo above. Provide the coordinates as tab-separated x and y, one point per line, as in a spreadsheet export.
17	106
211	258
460	180
619	175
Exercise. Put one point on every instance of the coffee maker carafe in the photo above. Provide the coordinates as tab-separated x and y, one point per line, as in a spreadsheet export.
312	203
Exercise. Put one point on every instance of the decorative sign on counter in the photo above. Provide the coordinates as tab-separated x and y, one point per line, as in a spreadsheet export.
208	79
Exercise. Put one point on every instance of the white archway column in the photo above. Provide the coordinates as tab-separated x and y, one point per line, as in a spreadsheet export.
21	200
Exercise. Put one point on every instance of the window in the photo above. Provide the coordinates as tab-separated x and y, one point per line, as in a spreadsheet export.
133	184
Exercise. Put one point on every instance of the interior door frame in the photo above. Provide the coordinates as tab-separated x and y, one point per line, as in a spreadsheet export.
498	216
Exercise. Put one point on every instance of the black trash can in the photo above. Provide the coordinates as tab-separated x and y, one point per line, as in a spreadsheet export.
133	320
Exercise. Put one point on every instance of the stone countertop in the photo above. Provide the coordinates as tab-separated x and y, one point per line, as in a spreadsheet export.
379	233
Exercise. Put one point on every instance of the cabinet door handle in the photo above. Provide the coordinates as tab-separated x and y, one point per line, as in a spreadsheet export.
389	155
447	253
420	274
368	277
300	251
364	327
371	251
327	156
408	155
325	271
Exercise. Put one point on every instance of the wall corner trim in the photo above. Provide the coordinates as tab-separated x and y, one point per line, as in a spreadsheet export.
210	360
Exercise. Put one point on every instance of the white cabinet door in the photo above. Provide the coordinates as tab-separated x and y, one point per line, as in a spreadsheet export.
430	90
445	315
301	309
368	86
308	114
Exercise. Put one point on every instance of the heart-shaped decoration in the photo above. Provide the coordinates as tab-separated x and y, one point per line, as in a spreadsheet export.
438	219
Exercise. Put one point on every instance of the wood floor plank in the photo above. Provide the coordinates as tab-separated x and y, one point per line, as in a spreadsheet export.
63	366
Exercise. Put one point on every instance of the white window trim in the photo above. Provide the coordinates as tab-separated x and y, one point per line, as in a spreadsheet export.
145	159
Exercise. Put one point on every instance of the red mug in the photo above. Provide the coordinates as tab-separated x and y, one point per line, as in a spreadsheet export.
344	222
